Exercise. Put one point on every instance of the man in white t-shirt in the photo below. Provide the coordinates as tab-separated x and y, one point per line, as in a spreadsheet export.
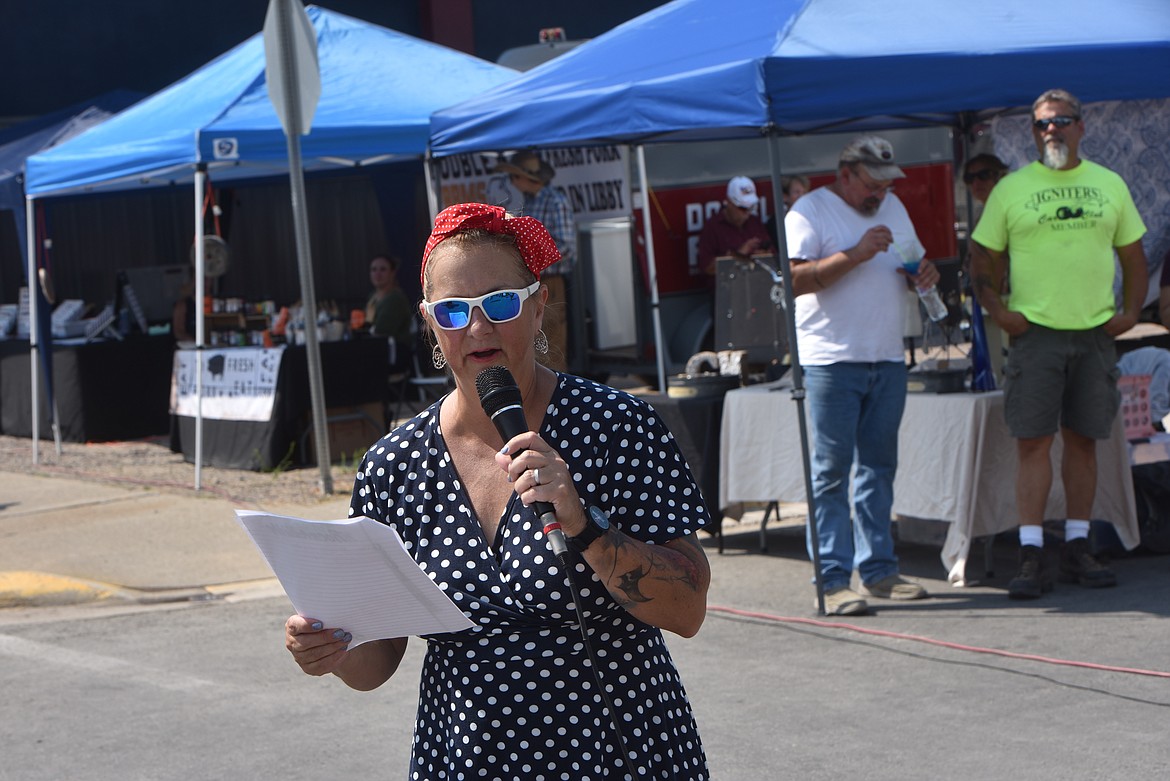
847	242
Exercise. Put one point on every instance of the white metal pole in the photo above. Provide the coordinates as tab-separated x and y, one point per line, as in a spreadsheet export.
652	270
31	244
432	194
200	183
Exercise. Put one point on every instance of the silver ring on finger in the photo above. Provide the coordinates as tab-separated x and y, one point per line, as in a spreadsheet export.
536	476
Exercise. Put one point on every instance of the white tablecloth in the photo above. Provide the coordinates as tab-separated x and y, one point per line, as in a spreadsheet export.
956	463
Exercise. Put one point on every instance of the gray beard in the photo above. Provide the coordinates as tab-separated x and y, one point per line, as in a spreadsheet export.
1055	155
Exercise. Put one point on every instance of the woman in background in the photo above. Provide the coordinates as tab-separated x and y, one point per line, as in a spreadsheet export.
388	311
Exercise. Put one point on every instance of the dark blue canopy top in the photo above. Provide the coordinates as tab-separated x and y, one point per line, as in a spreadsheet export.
378	90
704	69
19	142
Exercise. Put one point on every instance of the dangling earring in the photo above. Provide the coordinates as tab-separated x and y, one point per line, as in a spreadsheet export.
437	358
541	343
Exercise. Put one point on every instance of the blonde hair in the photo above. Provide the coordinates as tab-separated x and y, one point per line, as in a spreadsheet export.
473	238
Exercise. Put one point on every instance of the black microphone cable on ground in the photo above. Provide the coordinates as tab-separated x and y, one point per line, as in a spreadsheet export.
501	401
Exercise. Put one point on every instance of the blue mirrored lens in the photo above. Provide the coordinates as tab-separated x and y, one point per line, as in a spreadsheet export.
452	314
501	306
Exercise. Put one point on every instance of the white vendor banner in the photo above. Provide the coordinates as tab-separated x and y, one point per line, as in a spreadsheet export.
595	179
239	383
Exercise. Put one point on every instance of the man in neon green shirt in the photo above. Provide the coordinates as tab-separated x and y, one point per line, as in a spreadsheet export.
1062	219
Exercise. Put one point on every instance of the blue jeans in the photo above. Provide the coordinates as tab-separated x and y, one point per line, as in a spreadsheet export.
855	410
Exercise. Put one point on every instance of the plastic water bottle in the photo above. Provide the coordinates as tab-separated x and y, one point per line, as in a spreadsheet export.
911	253
936	310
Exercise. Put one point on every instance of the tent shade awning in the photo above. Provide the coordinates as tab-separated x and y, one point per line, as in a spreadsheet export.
378	90
711	69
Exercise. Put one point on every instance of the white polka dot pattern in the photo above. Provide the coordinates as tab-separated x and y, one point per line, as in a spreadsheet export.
514	697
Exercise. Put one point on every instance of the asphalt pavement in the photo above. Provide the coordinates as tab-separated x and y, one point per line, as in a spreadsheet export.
1074	685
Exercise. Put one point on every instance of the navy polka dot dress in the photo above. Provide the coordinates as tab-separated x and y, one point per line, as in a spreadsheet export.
514	697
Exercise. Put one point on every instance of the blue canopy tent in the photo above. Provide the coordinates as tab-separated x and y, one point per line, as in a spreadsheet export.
719	69
714	69
19	142
378	90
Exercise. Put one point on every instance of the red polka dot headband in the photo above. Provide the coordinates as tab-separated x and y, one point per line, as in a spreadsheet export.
537	247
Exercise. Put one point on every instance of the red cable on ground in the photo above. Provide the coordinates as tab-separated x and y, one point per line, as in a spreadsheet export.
931	641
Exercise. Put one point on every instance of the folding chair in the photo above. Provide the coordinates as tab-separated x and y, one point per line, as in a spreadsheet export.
410	380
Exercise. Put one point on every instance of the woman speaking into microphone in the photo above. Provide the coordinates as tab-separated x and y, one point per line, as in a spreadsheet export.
558	678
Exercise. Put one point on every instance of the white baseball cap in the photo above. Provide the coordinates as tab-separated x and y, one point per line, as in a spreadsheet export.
741	191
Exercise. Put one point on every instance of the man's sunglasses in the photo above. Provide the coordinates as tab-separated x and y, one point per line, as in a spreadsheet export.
500	306
986	175
1060	122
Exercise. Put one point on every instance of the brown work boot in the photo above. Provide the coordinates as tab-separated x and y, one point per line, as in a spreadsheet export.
1033	580
842	601
1077	565
894	587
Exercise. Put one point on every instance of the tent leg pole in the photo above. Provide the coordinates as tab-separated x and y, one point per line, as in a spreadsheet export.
31	241
432	193
798	393
200	178
56	428
659	346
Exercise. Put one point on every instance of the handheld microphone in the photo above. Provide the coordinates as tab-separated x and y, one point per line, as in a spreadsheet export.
501	401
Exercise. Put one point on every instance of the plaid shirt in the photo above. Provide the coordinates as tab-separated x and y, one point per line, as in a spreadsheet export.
552	208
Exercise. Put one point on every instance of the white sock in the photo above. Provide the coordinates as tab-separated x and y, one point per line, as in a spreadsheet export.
1075	530
1032	535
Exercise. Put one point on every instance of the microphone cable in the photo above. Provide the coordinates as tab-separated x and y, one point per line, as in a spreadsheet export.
502	403
564	559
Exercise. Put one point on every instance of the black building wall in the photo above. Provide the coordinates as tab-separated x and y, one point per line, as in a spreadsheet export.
61	52
65	51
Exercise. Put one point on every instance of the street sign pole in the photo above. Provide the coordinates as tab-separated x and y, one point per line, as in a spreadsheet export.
294	84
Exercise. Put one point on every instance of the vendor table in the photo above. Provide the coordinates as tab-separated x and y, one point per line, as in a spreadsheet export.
105	390
956	463
355	373
694	423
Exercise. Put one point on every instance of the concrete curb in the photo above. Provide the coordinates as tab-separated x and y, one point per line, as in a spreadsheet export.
42	589
30	589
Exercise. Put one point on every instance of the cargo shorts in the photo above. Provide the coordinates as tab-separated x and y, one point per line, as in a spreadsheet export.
1065	378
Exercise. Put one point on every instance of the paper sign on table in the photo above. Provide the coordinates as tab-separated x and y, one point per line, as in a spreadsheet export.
353	574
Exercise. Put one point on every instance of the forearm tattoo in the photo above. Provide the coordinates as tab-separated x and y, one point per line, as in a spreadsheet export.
629	585
672	567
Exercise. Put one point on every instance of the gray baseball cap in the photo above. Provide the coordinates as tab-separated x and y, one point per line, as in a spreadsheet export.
875	154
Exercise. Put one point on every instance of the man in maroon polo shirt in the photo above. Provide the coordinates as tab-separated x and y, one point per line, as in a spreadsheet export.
734	231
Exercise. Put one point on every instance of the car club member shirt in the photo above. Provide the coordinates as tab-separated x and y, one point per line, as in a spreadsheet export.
1061	228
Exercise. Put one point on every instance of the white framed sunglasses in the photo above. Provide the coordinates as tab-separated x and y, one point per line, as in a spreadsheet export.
499	306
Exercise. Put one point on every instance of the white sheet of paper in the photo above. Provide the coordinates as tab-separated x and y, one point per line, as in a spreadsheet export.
353	574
